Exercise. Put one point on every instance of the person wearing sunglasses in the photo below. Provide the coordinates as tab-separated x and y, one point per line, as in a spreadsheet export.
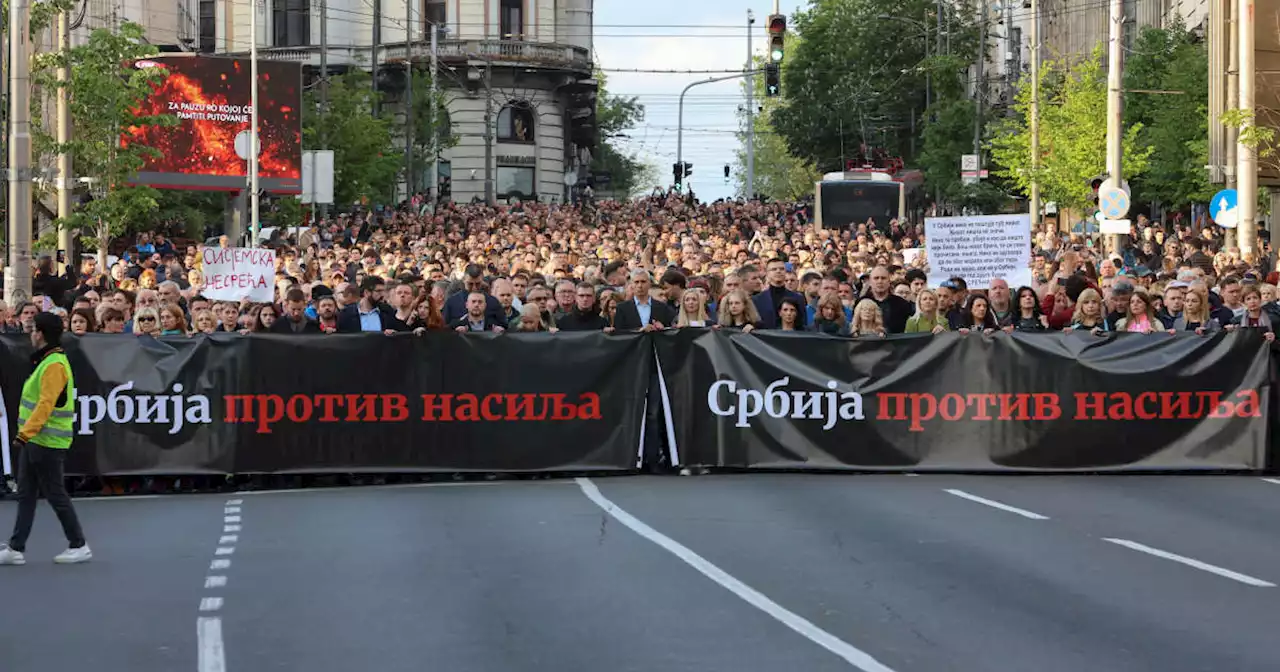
147	321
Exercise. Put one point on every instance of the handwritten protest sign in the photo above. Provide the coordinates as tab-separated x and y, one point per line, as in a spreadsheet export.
234	273
979	248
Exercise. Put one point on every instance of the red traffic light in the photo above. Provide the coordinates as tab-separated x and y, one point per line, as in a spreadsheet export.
777	24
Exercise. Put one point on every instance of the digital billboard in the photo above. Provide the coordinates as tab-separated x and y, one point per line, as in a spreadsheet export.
211	99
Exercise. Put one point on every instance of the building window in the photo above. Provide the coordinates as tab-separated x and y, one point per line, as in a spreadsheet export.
434	12
515	123
208	27
291	21
512	19
515	182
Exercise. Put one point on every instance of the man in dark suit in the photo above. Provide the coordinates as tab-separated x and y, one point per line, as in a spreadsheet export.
768	301
643	312
295	320
455	306
368	313
476	317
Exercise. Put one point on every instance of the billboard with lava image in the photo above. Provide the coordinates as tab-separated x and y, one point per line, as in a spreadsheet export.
211	99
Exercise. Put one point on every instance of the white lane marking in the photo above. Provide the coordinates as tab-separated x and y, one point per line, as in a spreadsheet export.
997	505
225	550
230	528
228	539
231	519
211	657
235	502
231	509
211	604
220	563
851	654
215	581
1272	480
1191	562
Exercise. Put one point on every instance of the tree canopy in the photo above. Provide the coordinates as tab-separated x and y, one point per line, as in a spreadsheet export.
1073	134
859	74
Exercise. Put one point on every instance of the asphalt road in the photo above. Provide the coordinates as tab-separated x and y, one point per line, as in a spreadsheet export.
707	574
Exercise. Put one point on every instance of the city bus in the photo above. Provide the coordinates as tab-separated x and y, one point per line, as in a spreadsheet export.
853	196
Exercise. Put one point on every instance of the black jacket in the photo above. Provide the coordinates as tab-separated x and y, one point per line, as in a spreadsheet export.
456	306
349	319
283	325
764	306
576	321
628	316
489	324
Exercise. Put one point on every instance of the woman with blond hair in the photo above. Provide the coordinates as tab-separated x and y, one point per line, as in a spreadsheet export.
738	312
204	322
828	317
926	319
146	321
1089	316
693	310
867	320
1197	313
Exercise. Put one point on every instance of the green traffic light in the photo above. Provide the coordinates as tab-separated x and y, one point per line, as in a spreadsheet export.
776	54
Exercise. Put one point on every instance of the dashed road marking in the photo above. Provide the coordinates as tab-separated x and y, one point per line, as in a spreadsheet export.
997	505
1192	562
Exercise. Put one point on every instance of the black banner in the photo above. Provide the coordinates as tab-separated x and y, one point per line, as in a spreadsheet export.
350	403
968	402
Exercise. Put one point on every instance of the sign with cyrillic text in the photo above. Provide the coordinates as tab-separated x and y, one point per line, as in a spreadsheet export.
999	402
979	248
235	273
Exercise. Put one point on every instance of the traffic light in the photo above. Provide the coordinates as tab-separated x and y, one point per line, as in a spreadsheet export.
677	174
772	80
726	171
688	169
1095	184
777	33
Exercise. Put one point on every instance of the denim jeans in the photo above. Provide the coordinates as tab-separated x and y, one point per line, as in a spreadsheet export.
40	470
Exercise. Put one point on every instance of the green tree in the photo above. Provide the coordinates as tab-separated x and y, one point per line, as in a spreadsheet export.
366	161
1174	125
431	135
947	137
1073	134
630	173
859	75
779	174
105	92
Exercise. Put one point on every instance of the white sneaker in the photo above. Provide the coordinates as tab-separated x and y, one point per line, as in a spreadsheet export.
8	556
74	556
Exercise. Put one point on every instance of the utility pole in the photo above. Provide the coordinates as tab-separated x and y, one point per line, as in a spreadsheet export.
408	100
65	179
432	186
1035	113
17	280
324	95
751	115
979	81
488	133
373	52
1115	106
1233	98
1246	155
254	225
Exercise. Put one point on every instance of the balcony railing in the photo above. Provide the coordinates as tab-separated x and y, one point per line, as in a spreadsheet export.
496	51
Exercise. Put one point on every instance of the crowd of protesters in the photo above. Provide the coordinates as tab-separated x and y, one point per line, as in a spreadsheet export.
657	263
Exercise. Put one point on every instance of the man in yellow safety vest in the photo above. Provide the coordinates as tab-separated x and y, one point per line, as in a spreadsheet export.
46	418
